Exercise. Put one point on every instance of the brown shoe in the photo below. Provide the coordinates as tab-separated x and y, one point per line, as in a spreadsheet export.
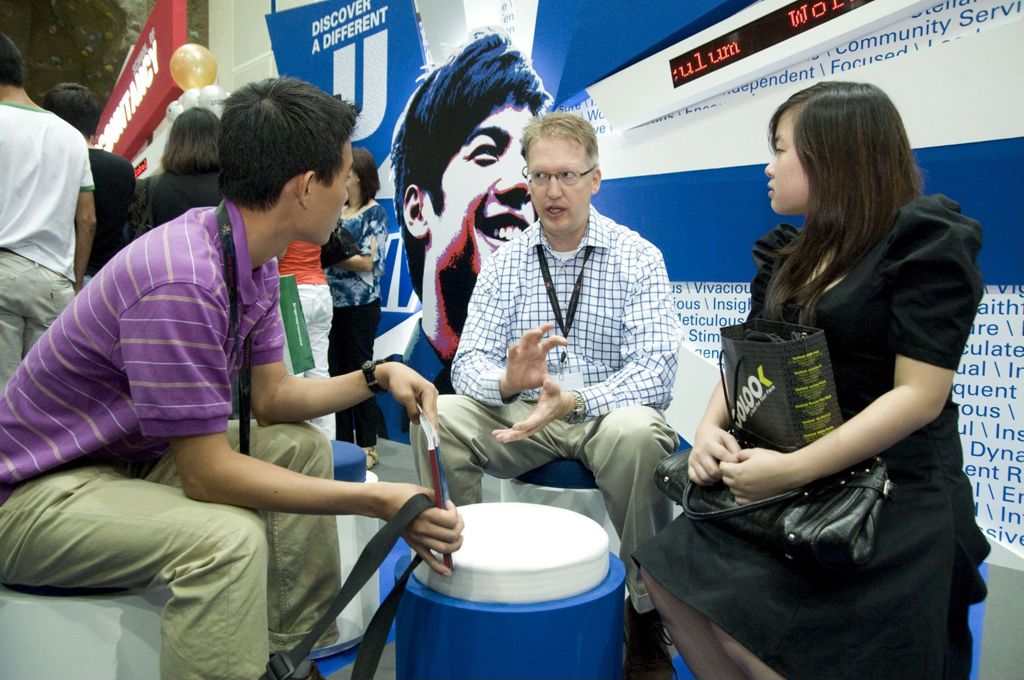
314	674
371	457
646	654
306	670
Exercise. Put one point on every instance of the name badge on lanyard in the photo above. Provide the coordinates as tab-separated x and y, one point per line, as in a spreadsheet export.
571	381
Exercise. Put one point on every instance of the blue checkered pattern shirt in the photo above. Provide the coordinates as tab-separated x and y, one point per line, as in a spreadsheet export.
625	335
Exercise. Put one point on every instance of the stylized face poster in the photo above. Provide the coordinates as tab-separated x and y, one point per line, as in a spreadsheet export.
452	132
458	173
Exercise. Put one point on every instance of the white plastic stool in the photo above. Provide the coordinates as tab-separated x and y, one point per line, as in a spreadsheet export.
116	636
561	485
534	594
518	553
111	636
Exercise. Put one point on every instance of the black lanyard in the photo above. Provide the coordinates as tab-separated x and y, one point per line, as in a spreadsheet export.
227	245
574	301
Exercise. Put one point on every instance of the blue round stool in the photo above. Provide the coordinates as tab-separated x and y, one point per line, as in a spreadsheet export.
349	461
575	638
564	473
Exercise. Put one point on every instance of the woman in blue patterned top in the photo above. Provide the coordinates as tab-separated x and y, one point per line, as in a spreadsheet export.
355	291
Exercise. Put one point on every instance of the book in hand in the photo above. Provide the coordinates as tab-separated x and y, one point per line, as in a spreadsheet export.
436	470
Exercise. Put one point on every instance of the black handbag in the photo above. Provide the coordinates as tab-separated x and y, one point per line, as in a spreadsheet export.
148	186
830	521
339	247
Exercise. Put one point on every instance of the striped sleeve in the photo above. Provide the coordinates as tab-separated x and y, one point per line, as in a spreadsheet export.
172	345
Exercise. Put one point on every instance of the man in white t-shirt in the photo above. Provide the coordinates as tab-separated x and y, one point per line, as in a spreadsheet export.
47	214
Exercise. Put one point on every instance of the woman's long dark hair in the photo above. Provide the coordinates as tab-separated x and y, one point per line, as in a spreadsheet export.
860	170
192	145
365	168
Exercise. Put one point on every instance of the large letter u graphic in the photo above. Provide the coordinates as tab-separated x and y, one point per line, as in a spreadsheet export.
375	71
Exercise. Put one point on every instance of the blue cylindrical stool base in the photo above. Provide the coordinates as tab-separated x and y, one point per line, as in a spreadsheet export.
576	638
349	461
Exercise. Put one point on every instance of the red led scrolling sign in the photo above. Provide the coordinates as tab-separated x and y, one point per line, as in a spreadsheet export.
760	34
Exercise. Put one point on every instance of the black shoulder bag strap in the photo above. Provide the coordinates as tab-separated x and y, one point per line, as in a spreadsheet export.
283	664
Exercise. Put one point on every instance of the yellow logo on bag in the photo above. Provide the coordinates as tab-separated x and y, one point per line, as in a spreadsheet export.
752	395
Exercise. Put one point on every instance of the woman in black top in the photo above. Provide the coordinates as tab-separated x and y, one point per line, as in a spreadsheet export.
190	165
890	276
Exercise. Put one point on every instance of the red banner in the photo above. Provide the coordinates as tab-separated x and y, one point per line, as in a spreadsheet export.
138	102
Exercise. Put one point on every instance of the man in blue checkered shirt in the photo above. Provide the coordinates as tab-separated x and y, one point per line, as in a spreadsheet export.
569	351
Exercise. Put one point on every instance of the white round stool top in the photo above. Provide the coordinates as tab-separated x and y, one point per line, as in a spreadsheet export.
518	553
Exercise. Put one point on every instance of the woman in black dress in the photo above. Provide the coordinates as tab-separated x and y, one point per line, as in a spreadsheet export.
890	276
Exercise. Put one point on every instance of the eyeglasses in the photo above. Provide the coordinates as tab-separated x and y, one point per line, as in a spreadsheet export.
566	178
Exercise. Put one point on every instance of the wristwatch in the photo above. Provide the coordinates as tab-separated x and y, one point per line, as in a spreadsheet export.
579	409
370	374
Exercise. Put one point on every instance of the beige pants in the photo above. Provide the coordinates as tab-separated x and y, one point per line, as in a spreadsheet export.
31	298
621	448
233	574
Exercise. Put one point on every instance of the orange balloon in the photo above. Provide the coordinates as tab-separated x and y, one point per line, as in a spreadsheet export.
193	66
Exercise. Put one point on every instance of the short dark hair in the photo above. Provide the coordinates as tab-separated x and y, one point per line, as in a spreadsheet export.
75	104
192	145
485	75
12	69
275	129
365	168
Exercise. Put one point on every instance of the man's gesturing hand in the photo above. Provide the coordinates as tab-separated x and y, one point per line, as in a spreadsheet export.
527	366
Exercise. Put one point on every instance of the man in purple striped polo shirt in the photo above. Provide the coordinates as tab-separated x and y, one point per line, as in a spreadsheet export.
117	459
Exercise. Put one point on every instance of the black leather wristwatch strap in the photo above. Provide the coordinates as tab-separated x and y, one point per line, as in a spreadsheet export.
370	374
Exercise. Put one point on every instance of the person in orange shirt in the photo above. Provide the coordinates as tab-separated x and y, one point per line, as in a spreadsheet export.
302	260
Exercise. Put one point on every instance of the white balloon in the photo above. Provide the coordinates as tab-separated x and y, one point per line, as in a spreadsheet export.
174	110
212	96
189	98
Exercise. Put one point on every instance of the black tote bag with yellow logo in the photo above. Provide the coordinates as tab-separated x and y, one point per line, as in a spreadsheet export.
779	384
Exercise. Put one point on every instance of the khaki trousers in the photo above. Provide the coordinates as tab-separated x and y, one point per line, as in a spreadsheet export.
31	298
242	583
622	449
